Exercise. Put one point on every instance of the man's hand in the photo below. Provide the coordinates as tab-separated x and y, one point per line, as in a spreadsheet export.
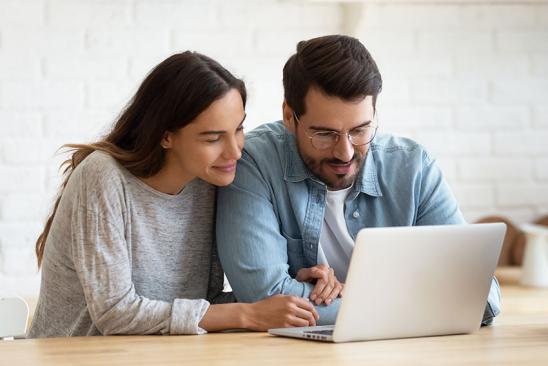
327	286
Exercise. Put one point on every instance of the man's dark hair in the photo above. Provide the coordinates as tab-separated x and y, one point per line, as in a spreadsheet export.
338	65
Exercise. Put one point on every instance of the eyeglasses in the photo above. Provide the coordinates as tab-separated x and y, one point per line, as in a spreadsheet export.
359	136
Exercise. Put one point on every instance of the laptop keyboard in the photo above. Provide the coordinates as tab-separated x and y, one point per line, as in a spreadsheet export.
322	332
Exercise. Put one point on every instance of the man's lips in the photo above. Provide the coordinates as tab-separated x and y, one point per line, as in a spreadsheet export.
338	168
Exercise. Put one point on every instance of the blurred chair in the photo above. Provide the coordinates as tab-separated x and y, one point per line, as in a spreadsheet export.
513	247
14	315
514	241
542	221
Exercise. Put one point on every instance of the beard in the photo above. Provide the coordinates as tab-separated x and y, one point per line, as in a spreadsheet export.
320	169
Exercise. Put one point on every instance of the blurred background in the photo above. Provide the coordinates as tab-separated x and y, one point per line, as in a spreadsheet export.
466	78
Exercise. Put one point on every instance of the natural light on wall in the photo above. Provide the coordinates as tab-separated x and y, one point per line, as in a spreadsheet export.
467	79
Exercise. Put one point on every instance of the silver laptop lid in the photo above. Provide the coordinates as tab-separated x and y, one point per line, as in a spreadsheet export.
418	281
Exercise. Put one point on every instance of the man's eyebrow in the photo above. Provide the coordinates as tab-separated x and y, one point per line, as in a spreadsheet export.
220	132
319	128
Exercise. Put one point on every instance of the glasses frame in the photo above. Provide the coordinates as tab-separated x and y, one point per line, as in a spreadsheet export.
375	127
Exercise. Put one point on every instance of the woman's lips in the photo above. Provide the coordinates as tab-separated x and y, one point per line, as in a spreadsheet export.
228	168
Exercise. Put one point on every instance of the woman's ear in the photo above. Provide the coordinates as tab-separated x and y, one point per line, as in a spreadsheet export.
288	117
166	140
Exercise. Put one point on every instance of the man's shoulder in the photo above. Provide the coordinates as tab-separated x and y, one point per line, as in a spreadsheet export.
390	147
273	132
265	141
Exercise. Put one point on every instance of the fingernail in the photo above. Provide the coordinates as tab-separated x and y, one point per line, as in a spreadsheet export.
313	297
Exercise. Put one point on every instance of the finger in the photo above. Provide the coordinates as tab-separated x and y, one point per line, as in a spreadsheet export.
336	291
331	283
322	266
324	295
307	274
306	315
318	273
307	305
295	321
318	289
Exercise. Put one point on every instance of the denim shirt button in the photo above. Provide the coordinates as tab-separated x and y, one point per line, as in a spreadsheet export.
356	214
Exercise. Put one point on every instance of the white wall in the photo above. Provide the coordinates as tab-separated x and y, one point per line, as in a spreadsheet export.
470	82
68	67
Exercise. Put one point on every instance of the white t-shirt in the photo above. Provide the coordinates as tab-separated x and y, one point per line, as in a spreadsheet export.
336	244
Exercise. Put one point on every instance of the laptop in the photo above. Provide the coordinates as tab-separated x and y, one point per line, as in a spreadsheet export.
413	282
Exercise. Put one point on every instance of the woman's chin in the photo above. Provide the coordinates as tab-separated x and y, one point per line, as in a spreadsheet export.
220	181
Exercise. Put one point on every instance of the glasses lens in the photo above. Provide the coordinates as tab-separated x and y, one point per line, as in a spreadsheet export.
362	136
324	140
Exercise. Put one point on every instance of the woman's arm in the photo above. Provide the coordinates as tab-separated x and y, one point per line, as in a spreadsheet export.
103	265
274	312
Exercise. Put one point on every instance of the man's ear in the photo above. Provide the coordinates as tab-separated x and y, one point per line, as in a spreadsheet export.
289	121
166	140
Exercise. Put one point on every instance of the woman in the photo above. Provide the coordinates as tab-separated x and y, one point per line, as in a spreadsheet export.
128	248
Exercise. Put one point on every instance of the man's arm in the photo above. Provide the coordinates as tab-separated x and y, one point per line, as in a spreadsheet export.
438	206
252	249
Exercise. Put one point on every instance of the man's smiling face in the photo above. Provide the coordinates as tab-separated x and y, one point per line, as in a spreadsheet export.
337	165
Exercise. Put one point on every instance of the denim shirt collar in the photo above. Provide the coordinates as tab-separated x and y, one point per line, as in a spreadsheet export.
295	169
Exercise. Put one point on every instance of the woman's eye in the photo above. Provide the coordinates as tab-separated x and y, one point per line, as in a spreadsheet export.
214	140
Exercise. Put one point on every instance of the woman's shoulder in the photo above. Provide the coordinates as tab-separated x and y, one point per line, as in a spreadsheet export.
99	161
201	189
99	171
101	165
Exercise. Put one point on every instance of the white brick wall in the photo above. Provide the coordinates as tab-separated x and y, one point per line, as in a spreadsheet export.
469	82
67	68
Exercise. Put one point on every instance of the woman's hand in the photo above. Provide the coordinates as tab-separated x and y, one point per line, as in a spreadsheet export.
280	311
327	286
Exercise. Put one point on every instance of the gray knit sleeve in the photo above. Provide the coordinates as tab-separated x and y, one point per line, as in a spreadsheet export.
103	264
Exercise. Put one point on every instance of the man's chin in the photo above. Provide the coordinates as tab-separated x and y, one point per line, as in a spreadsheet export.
340	181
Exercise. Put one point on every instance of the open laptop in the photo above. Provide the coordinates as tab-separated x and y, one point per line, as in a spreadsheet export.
413	282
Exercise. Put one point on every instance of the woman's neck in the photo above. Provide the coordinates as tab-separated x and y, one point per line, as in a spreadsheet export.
169	181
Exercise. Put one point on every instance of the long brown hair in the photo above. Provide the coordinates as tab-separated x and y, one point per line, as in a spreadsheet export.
172	95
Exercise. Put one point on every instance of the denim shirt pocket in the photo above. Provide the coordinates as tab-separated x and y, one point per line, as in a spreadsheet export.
295	254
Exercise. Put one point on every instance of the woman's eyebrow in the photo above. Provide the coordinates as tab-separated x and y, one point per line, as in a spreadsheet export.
219	132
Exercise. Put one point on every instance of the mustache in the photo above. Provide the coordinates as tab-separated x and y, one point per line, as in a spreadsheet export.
340	162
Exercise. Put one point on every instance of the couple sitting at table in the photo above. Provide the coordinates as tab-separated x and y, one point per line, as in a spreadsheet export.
136	239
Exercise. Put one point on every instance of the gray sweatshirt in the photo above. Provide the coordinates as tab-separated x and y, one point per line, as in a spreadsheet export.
123	258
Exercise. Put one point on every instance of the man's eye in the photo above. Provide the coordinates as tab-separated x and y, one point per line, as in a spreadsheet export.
358	132
325	134
214	140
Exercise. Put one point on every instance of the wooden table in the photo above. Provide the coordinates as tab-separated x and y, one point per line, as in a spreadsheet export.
519	337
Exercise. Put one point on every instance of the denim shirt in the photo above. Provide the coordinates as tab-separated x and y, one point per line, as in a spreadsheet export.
270	218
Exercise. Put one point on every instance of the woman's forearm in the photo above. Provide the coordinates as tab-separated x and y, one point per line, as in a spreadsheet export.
225	316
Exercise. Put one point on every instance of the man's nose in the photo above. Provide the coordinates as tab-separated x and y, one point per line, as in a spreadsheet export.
343	149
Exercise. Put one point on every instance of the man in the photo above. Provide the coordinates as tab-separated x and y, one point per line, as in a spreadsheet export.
306	185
